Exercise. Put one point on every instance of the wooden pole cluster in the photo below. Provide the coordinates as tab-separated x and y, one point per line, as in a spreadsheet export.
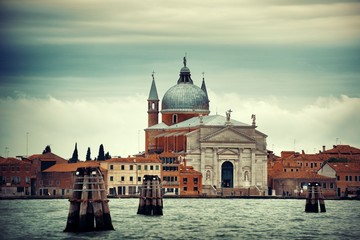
89	209
314	197
150	201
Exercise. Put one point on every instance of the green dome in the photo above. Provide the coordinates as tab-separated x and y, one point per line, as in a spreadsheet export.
185	97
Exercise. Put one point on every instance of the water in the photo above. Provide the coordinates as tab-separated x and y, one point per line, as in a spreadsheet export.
188	219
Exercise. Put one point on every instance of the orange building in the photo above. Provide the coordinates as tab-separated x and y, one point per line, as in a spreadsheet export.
347	175
287	174
190	181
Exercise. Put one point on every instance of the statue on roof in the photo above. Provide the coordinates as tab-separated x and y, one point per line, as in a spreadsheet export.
228	112
184	60
253	117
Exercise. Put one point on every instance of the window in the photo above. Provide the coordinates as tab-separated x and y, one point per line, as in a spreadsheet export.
139	167
146	167
139	179
157	167
122	178
111	167
306	164
356	178
324	185
174	118
338	178
195	188
185	188
311	165
346	178
195	180
122	167
131	167
185	180
111	178
292	170
2	179
315	164
297	169
131	179
151	167
331	185
350	178
284	169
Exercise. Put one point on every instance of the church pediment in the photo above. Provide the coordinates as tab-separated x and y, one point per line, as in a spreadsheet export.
228	135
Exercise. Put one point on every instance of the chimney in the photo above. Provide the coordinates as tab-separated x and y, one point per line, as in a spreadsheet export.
303	152
323	148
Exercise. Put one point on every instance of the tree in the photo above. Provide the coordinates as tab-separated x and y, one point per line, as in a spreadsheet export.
47	149
101	156
74	157
107	156
88	154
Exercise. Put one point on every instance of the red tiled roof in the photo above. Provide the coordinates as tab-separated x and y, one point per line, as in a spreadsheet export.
12	161
300	175
72	167
135	160
345	166
343	149
47	157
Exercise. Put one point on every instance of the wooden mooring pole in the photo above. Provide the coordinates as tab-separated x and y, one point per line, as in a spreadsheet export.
150	200
314	197
89	209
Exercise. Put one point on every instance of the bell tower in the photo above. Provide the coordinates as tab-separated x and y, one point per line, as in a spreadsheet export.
153	104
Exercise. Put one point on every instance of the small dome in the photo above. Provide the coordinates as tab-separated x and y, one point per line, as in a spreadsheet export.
185	97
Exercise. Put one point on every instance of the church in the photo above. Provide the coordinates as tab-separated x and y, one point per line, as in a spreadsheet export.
231	155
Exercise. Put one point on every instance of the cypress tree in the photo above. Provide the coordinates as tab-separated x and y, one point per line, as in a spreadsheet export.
47	149
107	156
101	156
74	157
88	154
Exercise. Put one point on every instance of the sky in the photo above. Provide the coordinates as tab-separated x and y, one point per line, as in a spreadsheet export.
80	71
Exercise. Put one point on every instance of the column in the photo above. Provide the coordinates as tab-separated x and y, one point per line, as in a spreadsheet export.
253	167
215	175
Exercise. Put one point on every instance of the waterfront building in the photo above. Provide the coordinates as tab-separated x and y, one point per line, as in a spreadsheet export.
347	175
125	175
39	163
288	173
15	177
58	180
229	154
190	181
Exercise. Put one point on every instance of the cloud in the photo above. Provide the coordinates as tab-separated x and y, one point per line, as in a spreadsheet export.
118	123
233	22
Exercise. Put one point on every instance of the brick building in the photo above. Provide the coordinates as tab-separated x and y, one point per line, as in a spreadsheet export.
15	177
347	175
287	173
58	180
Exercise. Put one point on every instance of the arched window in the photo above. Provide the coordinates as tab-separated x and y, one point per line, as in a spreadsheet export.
174	118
